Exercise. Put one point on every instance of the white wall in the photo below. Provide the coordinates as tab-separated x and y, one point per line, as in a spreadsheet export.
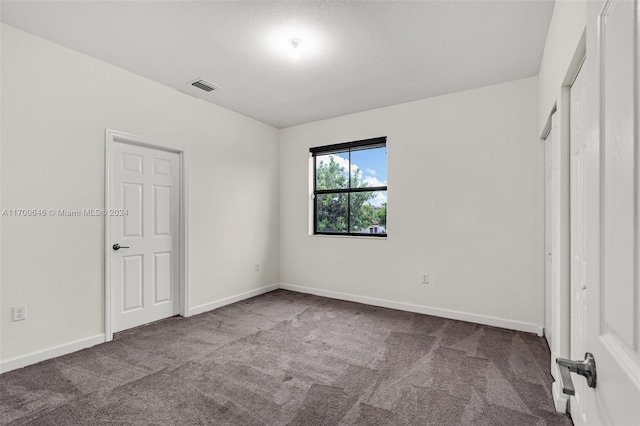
464	205
56	104
565	31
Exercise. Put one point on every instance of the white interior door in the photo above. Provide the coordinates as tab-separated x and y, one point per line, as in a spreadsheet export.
612	208
145	200
551	224
555	329
548	235
578	118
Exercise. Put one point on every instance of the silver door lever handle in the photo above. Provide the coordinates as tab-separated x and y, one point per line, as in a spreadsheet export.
586	368
117	246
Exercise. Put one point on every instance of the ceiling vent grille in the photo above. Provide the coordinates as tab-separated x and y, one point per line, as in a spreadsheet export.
204	85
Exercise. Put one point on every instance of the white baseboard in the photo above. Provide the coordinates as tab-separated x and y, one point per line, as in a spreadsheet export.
420	309
54	352
231	299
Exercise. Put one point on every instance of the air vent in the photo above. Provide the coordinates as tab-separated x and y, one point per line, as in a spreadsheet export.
204	85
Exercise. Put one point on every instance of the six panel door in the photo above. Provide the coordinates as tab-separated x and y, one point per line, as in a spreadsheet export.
144	222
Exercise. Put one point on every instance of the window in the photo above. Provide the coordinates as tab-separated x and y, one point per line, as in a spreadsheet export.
350	188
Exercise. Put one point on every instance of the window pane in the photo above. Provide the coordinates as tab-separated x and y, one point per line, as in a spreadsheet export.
369	167
332	212
350	188
369	212
332	171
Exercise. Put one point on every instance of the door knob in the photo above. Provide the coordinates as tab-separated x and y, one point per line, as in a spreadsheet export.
586	368
117	246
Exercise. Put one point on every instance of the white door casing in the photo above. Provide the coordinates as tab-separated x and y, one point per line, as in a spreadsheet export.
612	195
145	281
578	117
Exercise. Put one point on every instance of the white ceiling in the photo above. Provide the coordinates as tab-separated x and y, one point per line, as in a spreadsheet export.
355	55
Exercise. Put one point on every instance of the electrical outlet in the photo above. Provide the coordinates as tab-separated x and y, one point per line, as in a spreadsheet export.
257	267
19	312
425	278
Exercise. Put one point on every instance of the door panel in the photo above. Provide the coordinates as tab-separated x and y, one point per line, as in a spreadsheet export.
618	326
132	285
162	210
162	277
145	183
132	202
618	168
161	167
131	163
612	230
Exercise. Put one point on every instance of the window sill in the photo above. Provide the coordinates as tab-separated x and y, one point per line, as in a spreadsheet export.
358	237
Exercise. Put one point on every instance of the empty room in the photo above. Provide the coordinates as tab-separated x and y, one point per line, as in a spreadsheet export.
320	212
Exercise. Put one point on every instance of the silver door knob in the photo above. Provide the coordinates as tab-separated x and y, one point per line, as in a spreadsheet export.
586	368
117	246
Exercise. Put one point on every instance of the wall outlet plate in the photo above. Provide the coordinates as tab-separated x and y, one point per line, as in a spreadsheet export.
425	278
20	313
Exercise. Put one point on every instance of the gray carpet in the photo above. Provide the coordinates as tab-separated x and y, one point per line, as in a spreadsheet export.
288	358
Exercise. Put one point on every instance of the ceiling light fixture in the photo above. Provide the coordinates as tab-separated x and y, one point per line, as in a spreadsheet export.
295	48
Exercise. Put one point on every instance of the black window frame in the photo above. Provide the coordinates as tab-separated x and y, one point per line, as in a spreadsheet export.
372	143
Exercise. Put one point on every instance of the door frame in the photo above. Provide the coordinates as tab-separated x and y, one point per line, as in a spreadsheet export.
552	228
563	308
114	136
557	129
